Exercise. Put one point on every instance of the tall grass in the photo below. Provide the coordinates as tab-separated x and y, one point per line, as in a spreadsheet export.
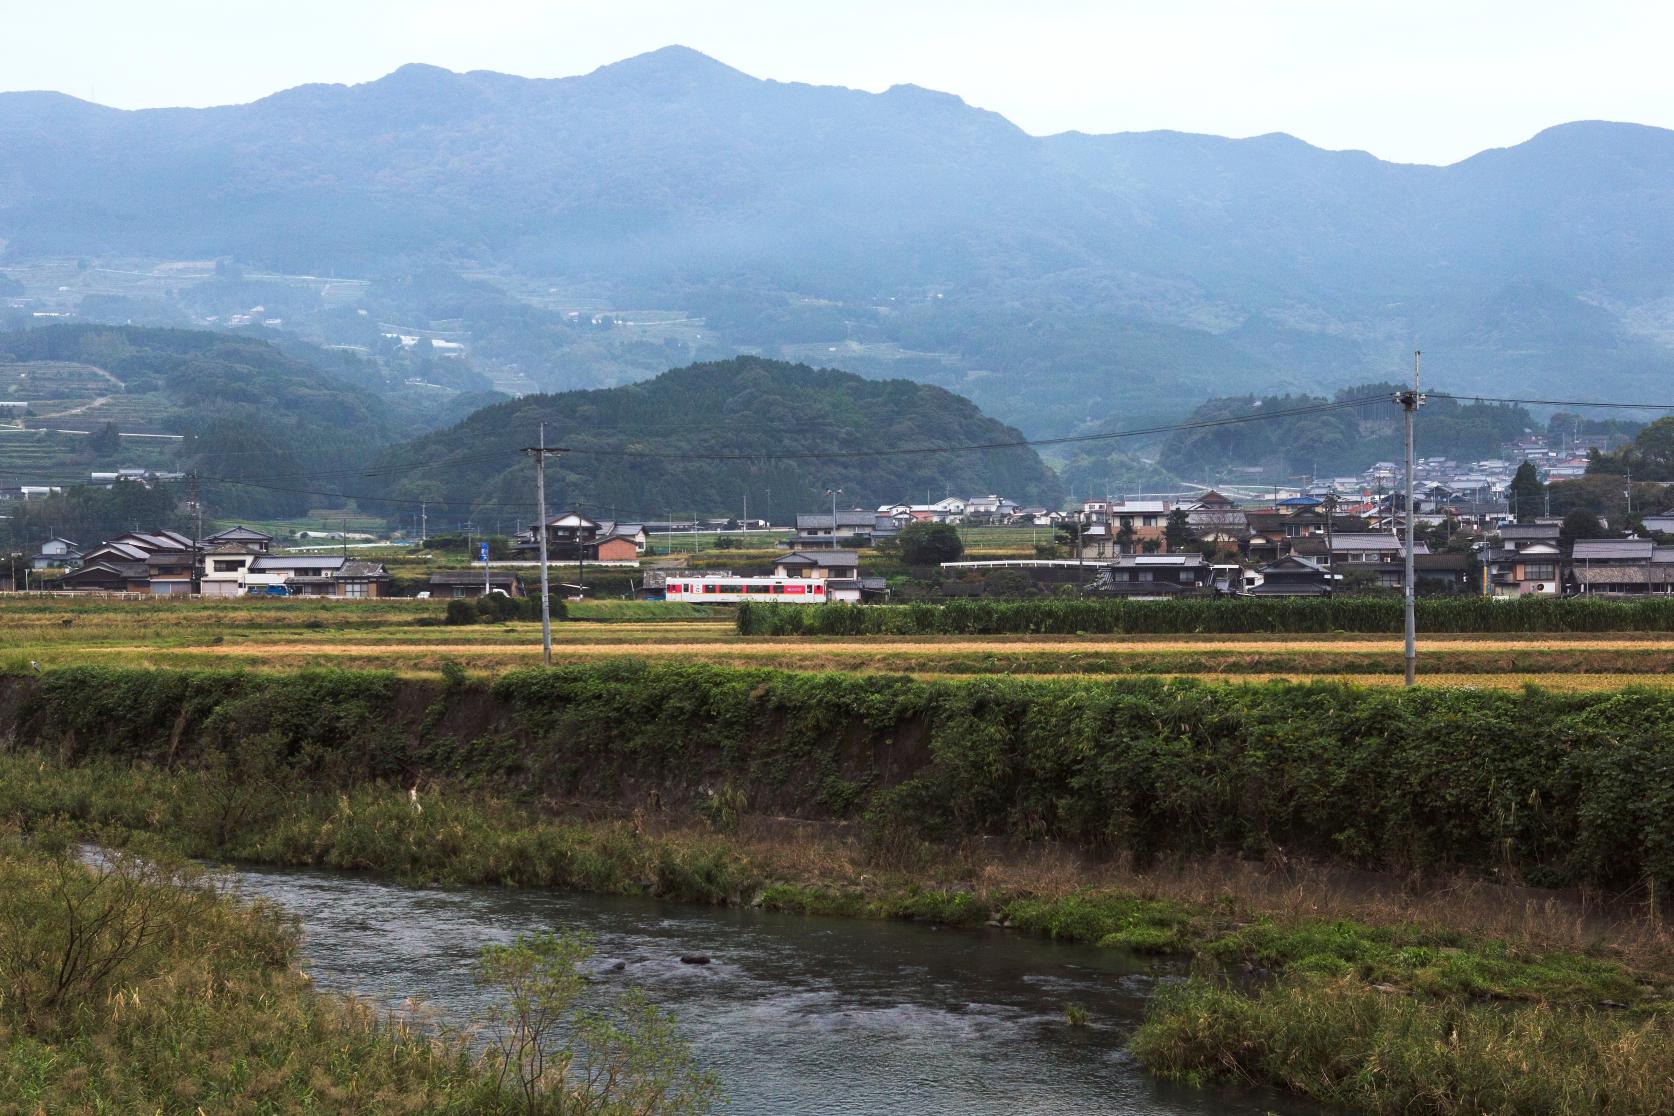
1344	1041
186	1002
1220	615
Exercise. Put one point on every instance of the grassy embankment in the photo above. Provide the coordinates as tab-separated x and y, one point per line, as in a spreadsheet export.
130	988
1480	1005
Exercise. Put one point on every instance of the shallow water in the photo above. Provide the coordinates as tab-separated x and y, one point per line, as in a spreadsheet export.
796	1014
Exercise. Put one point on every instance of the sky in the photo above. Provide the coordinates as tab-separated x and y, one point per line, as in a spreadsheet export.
1415	81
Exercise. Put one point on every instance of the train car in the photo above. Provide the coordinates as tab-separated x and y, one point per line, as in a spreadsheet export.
731	590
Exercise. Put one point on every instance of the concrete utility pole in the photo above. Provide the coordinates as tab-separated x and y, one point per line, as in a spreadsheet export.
835	492
424	523
1410	401
539	454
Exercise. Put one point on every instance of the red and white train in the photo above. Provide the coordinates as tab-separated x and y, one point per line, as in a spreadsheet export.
731	590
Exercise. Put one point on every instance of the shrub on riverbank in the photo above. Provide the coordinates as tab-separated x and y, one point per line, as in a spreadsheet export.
128	992
1552	787
1395	992
1243	615
1378	1049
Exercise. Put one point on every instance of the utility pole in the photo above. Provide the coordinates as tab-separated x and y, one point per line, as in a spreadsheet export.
835	492
197	507
539	454
1410	401
424	523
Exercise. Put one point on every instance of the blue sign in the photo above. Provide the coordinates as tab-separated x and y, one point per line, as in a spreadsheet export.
485	552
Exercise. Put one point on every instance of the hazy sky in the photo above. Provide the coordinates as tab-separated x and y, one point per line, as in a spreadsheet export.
1418	81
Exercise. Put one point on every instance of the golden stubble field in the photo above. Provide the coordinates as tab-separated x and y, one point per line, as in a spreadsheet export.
408	637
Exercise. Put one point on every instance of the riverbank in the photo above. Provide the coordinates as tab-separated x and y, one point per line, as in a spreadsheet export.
135	988
1079	810
1295	967
1543	787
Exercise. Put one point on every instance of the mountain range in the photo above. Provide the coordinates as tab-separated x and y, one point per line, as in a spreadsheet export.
1064	282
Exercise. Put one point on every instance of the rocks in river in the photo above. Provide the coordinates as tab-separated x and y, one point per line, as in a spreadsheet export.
694	959
619	966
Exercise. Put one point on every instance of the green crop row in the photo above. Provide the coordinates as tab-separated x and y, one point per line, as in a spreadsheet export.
1222	615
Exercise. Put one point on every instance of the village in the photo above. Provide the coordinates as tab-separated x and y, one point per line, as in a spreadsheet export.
1345	535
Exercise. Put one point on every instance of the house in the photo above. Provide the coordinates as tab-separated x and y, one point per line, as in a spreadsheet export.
1621	567
173	572
1660	524
242	536
108	575
1517	535
1153	575
990	509
1536	567
949	510
169	558
358	579
838	569
1292	576
273	574
468	583
818	563
1215	518
56	553
225	568
1448	571
853	527
316	575
1038	517
1369	547
1372	550
573	537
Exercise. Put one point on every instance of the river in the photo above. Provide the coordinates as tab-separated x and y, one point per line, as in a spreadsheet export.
796	1014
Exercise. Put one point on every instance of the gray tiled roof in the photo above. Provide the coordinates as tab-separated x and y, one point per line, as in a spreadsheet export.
1619	550
821	558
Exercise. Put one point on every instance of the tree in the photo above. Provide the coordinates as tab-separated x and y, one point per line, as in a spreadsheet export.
1527	493
930	544
1178	533
1581	524
105	442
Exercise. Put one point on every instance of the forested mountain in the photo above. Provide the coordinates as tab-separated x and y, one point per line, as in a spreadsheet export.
1061	282
1306	438
246	412
704	439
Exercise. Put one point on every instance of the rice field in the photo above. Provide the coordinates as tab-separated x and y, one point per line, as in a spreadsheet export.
409	636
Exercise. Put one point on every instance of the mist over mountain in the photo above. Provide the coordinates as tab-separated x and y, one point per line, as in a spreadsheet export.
1060	282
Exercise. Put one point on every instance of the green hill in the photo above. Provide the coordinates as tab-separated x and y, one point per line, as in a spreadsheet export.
784	433
235	409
